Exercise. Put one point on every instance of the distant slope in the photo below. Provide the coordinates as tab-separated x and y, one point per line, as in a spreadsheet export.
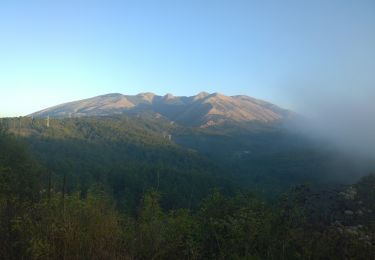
201	110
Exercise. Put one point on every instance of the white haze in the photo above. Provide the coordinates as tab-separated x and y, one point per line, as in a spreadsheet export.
336	91
338	107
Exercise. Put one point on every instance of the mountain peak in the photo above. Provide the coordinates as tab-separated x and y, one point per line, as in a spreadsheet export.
201	95
168	96
217	94
147	96
216	97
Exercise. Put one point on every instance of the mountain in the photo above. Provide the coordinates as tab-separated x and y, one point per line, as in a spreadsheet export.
201	110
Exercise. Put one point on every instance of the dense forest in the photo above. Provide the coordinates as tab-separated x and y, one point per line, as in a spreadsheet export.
146	150
120	188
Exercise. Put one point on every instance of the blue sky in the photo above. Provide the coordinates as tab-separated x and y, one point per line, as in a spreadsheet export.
57	51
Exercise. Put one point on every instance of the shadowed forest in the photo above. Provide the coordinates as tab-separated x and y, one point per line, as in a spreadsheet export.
75	191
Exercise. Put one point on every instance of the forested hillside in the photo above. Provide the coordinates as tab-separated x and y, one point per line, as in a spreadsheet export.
125	155
40	218
129	154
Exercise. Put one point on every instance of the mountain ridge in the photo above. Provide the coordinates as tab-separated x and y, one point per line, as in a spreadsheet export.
203	109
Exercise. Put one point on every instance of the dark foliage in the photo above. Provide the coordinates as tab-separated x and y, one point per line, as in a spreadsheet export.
140	210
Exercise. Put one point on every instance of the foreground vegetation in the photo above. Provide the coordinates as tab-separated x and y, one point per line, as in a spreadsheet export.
40	218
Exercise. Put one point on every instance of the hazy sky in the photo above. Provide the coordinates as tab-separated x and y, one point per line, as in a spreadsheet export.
282	51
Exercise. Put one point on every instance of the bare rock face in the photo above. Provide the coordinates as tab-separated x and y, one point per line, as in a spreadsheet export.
201	110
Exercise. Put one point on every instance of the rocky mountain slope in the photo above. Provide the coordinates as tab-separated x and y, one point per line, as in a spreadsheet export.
201	110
